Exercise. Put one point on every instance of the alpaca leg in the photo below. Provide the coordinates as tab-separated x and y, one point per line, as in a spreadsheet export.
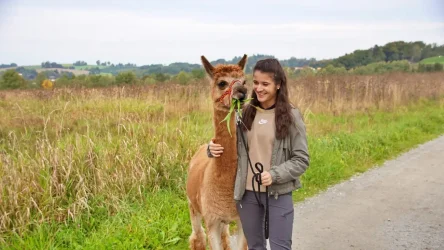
241	240
214	235
226	236
197	238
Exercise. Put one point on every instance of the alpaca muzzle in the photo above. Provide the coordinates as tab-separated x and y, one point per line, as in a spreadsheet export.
239	92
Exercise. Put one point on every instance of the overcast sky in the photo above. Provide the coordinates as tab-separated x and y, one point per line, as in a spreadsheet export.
148	32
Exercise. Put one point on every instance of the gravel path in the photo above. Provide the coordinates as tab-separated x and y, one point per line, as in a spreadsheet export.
399	205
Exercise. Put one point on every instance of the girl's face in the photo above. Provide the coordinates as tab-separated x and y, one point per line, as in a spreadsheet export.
265	88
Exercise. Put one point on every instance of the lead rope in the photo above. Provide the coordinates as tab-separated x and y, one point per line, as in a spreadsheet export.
256	178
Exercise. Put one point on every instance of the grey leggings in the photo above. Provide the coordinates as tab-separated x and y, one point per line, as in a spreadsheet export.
281	221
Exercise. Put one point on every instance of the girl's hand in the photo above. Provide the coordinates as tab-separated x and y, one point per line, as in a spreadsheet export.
216	149
266	178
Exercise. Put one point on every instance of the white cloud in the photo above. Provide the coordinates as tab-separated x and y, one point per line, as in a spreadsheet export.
65	35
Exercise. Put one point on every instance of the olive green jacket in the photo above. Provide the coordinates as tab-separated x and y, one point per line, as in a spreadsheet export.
289	160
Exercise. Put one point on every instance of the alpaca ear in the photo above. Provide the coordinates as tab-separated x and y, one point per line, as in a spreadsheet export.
207	65
242	62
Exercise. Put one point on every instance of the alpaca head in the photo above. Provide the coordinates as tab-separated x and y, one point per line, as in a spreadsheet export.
227	82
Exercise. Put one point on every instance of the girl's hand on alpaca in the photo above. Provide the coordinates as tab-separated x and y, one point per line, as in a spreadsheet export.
216	149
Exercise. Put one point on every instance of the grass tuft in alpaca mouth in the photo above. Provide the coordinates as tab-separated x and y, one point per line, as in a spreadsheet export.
235	104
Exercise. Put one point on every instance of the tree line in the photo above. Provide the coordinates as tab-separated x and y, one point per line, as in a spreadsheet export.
2	66
394	51
11	78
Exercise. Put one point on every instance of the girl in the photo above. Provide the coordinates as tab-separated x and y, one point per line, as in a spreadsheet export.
275	137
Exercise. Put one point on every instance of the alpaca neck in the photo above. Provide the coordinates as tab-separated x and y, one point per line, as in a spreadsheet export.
227	162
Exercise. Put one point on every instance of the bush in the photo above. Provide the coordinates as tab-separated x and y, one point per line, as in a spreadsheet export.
430	67
332	70
160	77
100	80
437	67
47	84
40	78
382	67
148	80
198	73
126	78
12	80
182	78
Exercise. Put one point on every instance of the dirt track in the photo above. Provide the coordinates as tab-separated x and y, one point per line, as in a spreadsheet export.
399	205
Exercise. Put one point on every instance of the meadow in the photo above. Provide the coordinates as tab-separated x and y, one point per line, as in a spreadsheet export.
101	168
433	60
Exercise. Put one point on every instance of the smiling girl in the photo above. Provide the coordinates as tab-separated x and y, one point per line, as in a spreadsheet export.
276	138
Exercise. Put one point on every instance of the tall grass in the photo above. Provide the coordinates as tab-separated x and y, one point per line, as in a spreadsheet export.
69	153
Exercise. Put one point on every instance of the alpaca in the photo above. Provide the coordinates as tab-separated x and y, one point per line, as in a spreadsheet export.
210	183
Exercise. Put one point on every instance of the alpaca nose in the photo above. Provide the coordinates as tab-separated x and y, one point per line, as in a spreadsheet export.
241	96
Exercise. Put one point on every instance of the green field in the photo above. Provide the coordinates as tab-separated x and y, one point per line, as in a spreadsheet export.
85	67
33	67
161	220
106	168
433	60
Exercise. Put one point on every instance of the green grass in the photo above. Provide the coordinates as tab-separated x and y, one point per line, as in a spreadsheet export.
433	60
370	140
340	146
87	67
160	222
33	67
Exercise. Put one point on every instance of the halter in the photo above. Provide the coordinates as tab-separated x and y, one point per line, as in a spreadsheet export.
227	92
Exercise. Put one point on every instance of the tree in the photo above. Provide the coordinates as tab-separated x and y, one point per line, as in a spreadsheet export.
80	63
391	52
198	73
94	71
40	78
51	65
377	54
98	62
183	77
12	80
125	78
160	77
415	53
332	70
305	72
8	65
148	80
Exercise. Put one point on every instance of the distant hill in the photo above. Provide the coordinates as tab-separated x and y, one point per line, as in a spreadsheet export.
412	51
399	50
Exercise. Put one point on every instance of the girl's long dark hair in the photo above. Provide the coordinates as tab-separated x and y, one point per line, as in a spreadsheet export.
283	116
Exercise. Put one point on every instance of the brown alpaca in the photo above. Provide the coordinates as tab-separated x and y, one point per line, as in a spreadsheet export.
210	184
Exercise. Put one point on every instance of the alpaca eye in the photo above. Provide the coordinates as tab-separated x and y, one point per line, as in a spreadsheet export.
222	84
